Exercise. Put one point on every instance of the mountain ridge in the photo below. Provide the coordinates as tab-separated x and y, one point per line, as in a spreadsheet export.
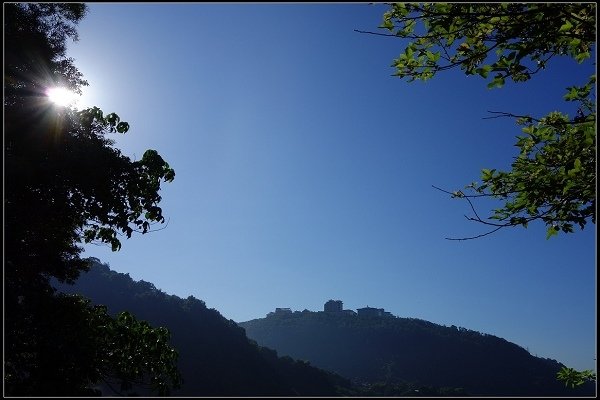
215	356
219	357
371	348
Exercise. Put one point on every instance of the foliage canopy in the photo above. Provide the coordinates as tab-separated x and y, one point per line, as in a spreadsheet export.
66	184
553	177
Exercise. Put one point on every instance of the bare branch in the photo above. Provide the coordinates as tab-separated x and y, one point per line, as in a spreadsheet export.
473	208
503	114
478	236
375	33
497	226
148	231
473	196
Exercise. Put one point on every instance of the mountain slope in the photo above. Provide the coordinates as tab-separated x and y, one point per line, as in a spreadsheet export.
215	356
371	349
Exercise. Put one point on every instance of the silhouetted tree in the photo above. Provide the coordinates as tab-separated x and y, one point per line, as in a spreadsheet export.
66	184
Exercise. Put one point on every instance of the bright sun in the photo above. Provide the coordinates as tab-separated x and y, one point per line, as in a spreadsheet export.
61	96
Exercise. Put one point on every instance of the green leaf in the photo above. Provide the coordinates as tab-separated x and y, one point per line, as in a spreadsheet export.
566	26
572	95
433	57
486	174
581	57
575	42
498	82
387	24
484	71
552	230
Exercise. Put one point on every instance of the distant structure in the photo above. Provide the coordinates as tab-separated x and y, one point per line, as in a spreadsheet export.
333	306
373	312
336	307
280	311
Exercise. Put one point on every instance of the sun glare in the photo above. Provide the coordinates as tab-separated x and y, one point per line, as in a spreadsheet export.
61	96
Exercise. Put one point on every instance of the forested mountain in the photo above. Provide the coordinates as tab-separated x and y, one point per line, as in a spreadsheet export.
215	356
372	355
392	349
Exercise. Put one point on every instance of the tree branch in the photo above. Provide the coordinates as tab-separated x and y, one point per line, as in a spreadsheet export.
376	33
501	114
478	236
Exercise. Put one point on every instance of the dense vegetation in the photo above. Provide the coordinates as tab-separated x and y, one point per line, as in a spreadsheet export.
215	356
395	350
65	184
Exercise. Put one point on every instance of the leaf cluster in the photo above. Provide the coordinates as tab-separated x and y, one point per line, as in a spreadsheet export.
553	179
554	175
573	378
497	41
68	346
127	198
133	351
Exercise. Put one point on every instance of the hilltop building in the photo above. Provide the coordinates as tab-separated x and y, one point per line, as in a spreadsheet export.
373	312
337	307
280	311
333	306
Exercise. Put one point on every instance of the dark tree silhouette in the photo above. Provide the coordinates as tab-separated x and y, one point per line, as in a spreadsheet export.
66	184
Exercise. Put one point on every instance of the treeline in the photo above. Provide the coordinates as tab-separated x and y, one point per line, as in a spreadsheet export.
396	350
215	356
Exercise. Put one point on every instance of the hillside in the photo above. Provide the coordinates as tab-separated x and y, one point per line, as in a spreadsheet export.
392	349
215	356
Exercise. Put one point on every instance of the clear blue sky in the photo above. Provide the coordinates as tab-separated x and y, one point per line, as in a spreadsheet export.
304	172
